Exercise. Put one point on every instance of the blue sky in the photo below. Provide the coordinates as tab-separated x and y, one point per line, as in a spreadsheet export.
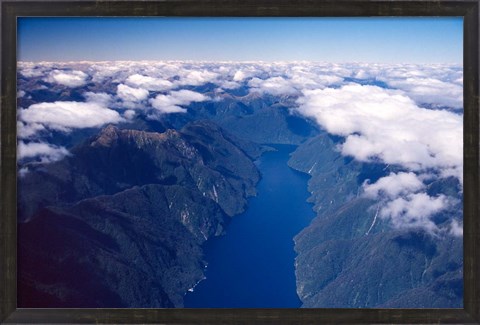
382	40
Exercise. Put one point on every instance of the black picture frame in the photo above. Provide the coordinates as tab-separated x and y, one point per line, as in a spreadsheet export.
468	9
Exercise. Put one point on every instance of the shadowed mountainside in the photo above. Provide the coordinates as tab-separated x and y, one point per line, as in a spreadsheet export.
120	222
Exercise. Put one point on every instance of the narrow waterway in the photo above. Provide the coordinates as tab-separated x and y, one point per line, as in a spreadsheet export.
252	266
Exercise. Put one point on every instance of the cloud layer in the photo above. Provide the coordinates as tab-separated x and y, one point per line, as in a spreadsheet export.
385	125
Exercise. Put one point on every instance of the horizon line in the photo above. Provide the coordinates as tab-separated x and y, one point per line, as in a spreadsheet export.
238	61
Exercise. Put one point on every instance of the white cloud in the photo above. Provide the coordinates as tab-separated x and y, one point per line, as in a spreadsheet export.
31	69
44	151
103	71
165	104
229	85
292	78
393	185
28	130
172	102
20	94
100	98
431	91
32	72
196	77
309	76
65	116
68	78
415	211
456	228
149	83
129	94
277	86
240	76
458	81
185	97
129	114
402	201
244	73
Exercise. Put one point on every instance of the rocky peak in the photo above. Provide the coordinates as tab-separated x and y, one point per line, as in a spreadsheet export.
106	137
111	134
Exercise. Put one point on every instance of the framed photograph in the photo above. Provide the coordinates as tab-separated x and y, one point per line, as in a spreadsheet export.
224	162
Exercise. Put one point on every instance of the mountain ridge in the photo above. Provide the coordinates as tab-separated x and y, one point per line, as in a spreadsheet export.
125	232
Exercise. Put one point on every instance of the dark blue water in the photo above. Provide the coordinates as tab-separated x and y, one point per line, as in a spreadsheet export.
252	266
